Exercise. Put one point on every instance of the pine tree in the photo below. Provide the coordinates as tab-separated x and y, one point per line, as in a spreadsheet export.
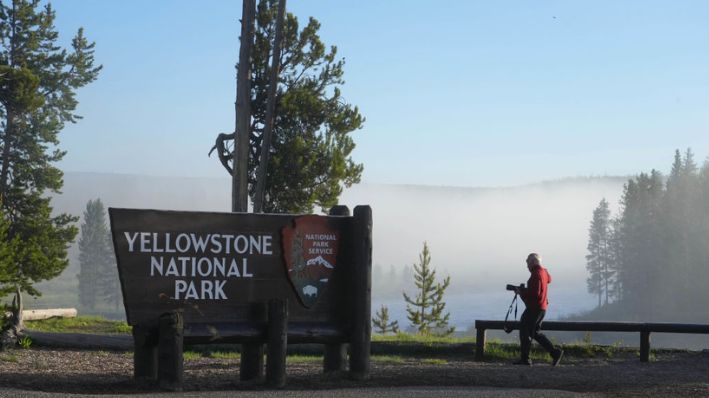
675	215
112	283
425	312
616	248
703	237
641	246
38	87
382	324
310	160
599	258
660	243
97	276
8	251
683	229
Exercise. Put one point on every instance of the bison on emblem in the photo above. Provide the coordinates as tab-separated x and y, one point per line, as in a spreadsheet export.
310	290
310	250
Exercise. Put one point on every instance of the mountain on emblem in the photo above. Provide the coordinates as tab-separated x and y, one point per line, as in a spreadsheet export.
310	253
319	261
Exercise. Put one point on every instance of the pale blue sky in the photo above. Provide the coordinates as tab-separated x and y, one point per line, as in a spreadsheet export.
471	93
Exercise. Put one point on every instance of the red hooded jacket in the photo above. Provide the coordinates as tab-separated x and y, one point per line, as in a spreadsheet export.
535	295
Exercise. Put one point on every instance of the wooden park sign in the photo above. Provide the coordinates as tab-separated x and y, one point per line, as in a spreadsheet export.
198	277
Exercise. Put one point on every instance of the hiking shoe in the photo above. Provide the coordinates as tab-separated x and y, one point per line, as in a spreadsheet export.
523	362
556	356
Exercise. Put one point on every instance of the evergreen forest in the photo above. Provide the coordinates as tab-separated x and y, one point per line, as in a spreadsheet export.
649	262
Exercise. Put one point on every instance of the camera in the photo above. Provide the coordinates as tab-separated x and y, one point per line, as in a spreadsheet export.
512	288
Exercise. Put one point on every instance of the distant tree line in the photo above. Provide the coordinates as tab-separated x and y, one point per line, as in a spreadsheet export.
390	281
652	259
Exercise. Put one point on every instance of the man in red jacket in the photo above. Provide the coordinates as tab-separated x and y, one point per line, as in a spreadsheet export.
535	299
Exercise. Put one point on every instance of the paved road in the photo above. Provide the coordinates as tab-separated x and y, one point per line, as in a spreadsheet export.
400	392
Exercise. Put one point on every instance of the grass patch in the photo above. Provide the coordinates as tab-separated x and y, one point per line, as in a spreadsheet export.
304	359
25	342
80	324
431	348
434	361
8	358
191	355
390	359
497	351
224	355
421	339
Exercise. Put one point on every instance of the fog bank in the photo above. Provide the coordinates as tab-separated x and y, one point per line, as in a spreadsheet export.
478	236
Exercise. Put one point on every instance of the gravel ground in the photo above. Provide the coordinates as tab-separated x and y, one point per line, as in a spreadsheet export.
683	374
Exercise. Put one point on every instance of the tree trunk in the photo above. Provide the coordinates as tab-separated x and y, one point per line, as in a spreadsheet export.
7	144
240	185
17	320
270	111
605	278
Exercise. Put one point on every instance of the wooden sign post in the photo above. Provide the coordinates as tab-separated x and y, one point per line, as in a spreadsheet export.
250	279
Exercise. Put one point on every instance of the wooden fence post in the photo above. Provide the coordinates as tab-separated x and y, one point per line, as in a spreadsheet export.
145	352
251	364
277	343
334	357
480	344
170	351
335	354
361	253
644	346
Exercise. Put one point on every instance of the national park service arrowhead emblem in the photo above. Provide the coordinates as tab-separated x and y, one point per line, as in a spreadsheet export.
310	251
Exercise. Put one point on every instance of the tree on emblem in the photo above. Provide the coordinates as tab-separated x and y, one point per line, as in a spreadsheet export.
298	259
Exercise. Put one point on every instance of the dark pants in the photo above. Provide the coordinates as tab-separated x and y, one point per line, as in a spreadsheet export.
530	325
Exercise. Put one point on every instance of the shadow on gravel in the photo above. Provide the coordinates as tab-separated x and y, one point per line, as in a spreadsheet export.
677	374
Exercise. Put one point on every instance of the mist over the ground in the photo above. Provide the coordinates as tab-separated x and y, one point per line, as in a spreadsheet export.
478	236
481	236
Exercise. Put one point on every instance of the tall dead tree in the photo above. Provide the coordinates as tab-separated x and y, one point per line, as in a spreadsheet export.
251	366
240	162
261	174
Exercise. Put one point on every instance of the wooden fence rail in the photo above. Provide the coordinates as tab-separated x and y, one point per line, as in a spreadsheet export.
645	329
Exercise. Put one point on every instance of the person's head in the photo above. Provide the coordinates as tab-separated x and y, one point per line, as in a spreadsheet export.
533	260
